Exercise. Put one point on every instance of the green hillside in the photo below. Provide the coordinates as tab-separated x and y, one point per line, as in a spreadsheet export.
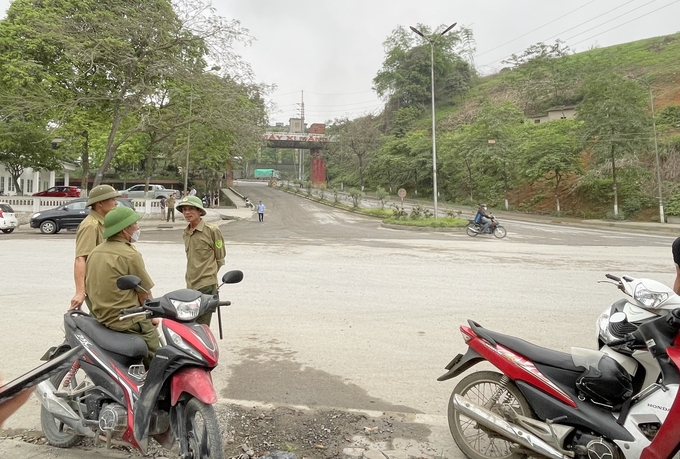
601	163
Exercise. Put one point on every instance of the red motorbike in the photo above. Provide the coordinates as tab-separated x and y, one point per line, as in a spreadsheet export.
582	405
107	393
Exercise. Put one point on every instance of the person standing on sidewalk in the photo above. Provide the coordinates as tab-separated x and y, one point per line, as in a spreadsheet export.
89	235
204	246
171	208
260	212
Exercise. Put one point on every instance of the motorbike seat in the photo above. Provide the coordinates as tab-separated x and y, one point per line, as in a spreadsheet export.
537	354
124	344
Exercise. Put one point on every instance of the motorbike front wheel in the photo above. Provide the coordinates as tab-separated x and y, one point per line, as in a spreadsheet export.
204	438
500	232
490	390
471	230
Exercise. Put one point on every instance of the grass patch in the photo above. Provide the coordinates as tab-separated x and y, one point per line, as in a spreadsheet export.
448	222
382	213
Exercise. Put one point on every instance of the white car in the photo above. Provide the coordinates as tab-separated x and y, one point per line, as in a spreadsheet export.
8	219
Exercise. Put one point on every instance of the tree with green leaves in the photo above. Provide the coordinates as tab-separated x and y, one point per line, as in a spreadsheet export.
405	77
551	151
359	137
110	55
615	122
26	144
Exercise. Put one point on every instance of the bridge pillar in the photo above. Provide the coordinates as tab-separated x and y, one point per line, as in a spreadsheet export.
317	169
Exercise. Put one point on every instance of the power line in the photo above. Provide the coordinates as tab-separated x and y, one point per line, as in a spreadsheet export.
599	25
616	27
537	28
613	19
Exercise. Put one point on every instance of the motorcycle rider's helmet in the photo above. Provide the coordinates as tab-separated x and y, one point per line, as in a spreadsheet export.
118	219
609	384
101	193
192	201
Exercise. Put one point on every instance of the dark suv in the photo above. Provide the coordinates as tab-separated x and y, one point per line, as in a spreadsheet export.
66	216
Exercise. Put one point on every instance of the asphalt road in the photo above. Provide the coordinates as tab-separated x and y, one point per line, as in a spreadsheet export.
336	311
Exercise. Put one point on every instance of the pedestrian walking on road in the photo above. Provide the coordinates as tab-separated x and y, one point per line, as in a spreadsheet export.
171	208
260	212
161	203
204	246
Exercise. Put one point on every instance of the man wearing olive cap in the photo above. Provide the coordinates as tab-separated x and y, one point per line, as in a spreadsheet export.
205	250
116	257
90	234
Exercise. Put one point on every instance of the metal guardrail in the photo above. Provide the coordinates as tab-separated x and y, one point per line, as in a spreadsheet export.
31	204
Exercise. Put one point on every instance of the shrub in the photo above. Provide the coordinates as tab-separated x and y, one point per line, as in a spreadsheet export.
398	212
382	196
356	195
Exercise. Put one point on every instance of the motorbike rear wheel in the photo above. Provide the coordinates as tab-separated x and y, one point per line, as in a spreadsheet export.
500	232
56	432
471	230
486	389
204	437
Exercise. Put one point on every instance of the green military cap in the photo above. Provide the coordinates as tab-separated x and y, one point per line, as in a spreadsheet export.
192	201
102	193
118	219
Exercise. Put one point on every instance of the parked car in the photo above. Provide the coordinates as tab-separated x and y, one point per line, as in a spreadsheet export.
66	216
60	192
8	219
155	192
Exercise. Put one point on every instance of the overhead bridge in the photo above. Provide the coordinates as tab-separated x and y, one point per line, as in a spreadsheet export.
314	142
302	141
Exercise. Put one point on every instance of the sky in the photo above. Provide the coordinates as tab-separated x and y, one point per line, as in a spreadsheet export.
327	52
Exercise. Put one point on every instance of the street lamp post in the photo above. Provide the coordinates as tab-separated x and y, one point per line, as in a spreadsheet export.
186	168
432	40
662	218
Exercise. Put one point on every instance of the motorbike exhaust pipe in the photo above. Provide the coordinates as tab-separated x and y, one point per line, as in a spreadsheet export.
60	409
499	425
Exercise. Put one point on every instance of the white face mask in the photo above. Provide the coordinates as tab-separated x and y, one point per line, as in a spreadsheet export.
134	237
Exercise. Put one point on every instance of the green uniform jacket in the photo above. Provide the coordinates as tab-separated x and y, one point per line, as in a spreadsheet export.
205	255
90	234
107	262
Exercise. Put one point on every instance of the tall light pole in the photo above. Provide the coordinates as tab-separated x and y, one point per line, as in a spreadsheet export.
662	218
186	168
432	39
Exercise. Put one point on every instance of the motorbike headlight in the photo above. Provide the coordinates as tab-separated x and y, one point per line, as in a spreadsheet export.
648	298
187	310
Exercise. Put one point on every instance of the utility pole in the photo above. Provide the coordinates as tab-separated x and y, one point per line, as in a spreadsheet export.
301	153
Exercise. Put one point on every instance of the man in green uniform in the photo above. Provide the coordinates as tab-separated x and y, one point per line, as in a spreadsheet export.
108	261
90	234
205	250
170	202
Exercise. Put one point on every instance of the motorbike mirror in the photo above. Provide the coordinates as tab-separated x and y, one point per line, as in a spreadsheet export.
232	277
618	317
128	282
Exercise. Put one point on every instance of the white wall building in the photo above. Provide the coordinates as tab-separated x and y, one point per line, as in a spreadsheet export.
32	181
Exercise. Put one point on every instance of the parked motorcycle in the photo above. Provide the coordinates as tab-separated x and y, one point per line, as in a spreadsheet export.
648	299
473	229
545	403
108	395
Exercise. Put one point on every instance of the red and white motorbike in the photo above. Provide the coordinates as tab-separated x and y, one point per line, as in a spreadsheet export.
107	394
545	403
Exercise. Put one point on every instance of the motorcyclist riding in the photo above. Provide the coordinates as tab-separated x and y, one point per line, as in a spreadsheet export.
483	217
